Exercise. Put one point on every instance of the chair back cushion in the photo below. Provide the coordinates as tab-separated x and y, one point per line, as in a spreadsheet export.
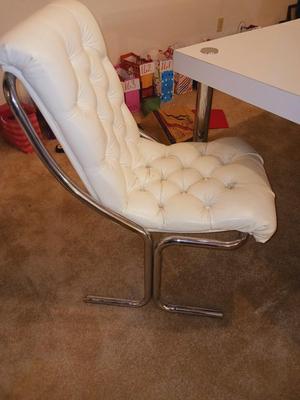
60	56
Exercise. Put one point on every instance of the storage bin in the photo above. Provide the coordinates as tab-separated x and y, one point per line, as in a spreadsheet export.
11	130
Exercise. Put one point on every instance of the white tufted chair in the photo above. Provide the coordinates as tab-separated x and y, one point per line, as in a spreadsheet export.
60	56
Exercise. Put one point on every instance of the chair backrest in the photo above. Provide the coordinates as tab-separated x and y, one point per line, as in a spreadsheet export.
60	56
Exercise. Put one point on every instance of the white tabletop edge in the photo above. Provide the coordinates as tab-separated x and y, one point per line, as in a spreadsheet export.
267	97
260	67
270	55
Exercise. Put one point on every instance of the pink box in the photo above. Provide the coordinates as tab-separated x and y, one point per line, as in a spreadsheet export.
131	89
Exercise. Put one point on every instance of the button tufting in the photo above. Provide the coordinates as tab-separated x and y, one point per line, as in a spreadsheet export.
230	185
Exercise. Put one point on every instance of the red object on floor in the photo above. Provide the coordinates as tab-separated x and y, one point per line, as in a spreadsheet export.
178	122
11	130
218	120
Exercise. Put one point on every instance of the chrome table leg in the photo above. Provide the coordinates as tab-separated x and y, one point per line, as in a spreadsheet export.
203	111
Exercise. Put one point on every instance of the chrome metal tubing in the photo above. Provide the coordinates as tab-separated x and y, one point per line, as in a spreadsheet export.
145	135
203	111
10	92
9	88
192	242
148	279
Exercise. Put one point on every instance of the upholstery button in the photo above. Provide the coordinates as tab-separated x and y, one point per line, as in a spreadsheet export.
230	185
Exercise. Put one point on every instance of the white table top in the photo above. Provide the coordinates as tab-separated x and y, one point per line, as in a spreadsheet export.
261	67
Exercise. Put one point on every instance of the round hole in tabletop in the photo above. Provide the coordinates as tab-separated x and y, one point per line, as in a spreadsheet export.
209	50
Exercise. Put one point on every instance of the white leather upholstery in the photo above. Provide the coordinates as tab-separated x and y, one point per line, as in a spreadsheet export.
60	56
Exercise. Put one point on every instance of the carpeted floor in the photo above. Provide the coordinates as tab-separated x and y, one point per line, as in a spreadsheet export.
54	251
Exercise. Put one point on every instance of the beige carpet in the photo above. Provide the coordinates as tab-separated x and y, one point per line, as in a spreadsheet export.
53	251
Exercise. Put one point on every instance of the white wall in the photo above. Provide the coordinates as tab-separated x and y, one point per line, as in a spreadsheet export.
140	25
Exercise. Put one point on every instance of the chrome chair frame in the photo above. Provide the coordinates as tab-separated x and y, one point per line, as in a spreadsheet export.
152	265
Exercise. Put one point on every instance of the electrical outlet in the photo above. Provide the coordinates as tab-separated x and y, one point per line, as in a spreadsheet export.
220	23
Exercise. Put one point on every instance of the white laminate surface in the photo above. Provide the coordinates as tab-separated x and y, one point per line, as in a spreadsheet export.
260	66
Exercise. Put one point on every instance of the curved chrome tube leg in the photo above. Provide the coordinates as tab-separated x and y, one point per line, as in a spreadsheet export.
10	92
194	242
148	279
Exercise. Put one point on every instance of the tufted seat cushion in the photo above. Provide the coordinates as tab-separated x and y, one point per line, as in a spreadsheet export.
60	56
202	187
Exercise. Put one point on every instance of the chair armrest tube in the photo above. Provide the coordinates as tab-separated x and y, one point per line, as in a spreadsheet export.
145	135
11	96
